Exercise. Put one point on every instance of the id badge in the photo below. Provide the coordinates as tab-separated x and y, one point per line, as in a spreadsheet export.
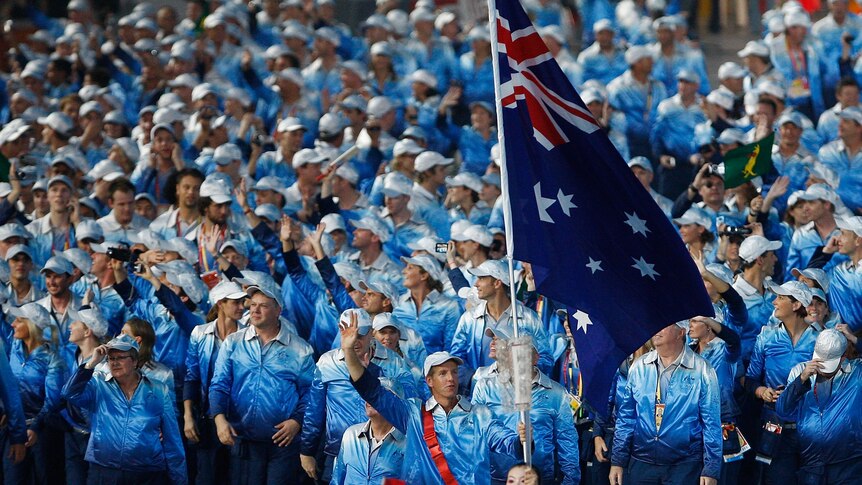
799	88
773	428
211	279
659	414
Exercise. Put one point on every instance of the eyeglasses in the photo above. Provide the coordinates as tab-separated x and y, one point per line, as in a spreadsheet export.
708	184
119	358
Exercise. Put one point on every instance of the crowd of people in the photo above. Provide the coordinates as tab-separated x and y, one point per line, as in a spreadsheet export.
247	244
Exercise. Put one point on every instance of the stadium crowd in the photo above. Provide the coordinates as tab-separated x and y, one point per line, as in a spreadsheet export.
198	287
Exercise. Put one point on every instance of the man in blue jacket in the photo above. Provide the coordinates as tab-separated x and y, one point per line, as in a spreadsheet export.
257	395
669	421
135	436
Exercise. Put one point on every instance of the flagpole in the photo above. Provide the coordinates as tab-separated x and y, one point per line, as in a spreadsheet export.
507	206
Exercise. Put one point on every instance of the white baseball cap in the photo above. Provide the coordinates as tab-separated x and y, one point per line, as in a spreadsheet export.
430	159
494	268
438	358
754	246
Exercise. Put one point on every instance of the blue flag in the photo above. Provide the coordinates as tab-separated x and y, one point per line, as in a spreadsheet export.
597	241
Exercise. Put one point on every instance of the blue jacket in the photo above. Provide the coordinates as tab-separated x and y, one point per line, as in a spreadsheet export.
775	356
601	67
813	73
691	427
467	435
140	434
759	312
203	352
834	155
333	404
626	96
359	462
845	294
436	321
554	433
471	344
258	387
804	242
10	396
826	414
40	379
722	353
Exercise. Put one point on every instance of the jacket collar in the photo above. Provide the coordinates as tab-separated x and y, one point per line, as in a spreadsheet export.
283	335
463	403
686	361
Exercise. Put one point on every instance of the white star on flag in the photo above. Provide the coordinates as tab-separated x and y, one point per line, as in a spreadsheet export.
583	320
543	203
645	268
637	224
595	265
565	202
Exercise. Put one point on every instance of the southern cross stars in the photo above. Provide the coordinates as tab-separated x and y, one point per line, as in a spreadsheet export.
595	265
544	203
637	224
645	268
583	320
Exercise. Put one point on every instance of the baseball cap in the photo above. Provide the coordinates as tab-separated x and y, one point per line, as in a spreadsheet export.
266	291
492	178
78	257
407	146
731	136
333	222
234	244
373	224
602	24
754	246
415	133
754	48
89	107
424	76
103	168
494	268
438	358
357	68
635	53
853	113
17	249
796	289
815	274
34	312
202	90
688	75
58	265
123	343
797	19
820	192
58	122
129	148
355	101
477	233
429	245
182	246
268	212
731	70
396	184
721	98
430	159
829	348
465	179
290	124
14	229
94	320
380	285
591	95
721	272
642	162
378	106
383	320
216	191
772	89
426	262
853	224
306	156
348	172
88	229
363	319
226	153
790	117
226	290
695	215
330	125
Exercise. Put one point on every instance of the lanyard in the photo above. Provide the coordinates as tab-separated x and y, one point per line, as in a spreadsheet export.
797	56
67	243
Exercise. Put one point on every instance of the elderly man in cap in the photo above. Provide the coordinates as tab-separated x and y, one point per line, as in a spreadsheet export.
820	203
54	231
637	95
844	155
551	412
134	433
333	404
470	342
673	383
449	439
821	398
288	137
258	394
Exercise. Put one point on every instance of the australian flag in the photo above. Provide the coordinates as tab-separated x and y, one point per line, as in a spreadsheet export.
596	240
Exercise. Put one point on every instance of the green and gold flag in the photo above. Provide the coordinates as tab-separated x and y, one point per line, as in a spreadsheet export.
747	162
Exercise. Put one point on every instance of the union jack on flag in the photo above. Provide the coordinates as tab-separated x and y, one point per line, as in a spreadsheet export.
597	242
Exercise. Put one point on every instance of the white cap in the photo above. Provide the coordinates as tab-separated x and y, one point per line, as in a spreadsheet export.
378	106
695	215
754	48
465	179
306	156
396	184
426	262
227	153
333	222
226	290
331	124
94	320
184	80
348	172
754	246
290	124
429	159
383	320
375	225
424	76
407	146
291	74
58	122
494	268
635	53
797	19
829	348
438	358
853	224
603	24
201	90
731	70
477	233
721	98
815	274
820	192
215	190
797	289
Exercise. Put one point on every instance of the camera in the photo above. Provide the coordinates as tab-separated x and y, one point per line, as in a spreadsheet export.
441	248
120	254
260	138
735	231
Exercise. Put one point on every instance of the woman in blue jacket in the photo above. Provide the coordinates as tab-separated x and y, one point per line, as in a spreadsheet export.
39	370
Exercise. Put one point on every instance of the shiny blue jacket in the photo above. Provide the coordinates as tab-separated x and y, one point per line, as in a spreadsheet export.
625	94
814	72
11	400
775	356
722	353
691	428
759	312
140	434
601	67
804	242
360	462
826	414
554	433
203	352
478	82
471	344
834	155
845	294
436	321
333	404
467	435
257	387
40	379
